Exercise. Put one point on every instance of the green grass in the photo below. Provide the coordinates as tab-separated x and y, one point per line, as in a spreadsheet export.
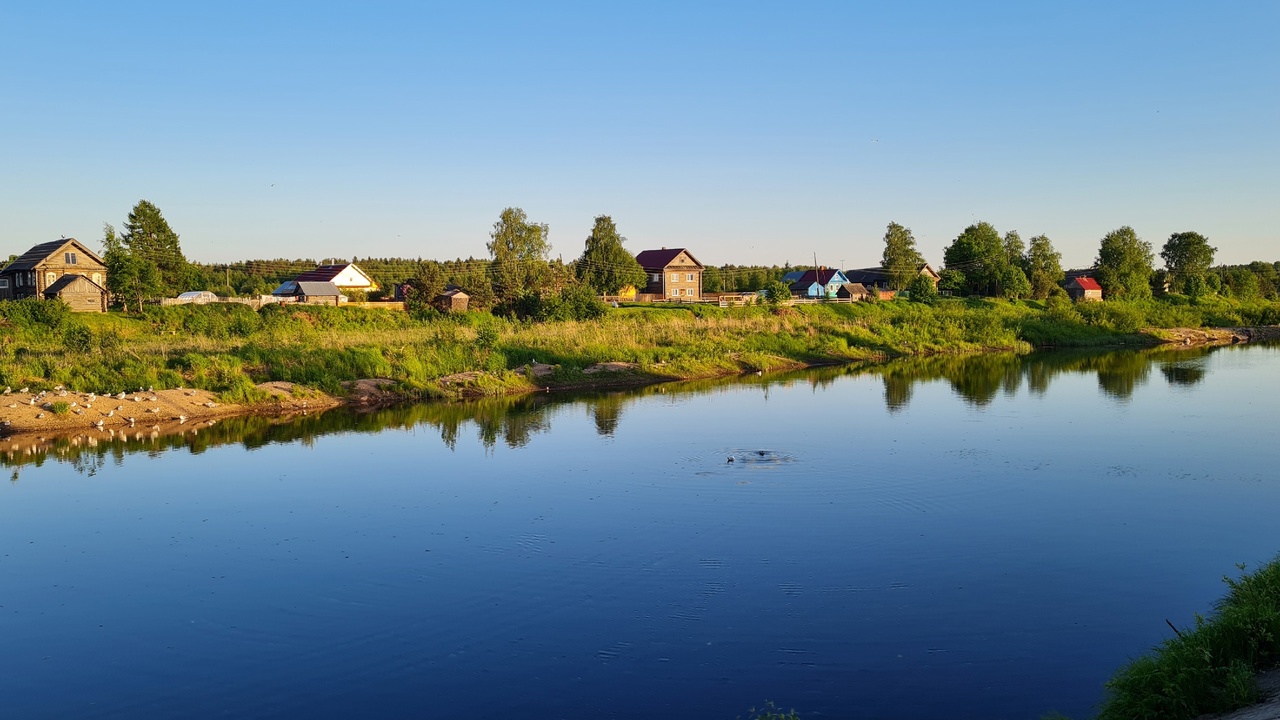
1209	667
226	348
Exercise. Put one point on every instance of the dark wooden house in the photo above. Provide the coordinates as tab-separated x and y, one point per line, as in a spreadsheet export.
78	291
674	274
39	268
451	300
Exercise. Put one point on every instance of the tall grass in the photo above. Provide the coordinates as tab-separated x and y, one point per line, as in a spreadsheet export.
226	348
1208	668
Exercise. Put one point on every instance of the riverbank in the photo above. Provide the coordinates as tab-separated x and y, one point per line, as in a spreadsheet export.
230	355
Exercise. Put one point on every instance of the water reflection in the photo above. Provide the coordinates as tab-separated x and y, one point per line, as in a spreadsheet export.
977	380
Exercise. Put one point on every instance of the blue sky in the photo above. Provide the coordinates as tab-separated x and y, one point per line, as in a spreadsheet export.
747	132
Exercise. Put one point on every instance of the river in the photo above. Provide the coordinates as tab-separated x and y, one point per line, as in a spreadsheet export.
987	537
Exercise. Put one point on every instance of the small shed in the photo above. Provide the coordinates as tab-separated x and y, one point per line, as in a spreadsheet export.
1084	288
196	297
78	291
853	291
452	300
314	293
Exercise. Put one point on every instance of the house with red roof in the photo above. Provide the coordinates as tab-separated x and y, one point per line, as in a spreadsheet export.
1084	288
674	274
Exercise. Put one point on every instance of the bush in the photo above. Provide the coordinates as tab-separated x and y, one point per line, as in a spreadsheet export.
78	339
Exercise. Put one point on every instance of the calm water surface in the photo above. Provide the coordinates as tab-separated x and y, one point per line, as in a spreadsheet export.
985	538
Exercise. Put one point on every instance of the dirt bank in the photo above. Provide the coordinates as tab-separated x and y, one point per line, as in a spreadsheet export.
60	411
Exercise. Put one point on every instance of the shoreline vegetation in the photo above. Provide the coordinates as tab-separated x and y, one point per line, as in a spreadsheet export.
298	357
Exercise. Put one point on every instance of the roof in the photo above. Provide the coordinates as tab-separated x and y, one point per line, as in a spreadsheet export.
36	254
195	294
792	276
658	259
317	288
326	273
66	280
455	292
855	289
822	277
868	276
1087	283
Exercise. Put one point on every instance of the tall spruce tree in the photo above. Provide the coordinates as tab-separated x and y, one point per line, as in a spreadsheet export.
149	239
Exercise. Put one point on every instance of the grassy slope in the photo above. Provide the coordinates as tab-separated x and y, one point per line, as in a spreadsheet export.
228	348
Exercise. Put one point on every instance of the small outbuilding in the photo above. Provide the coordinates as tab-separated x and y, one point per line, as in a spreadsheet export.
853	291
78	291
452	300
313	293
1084	288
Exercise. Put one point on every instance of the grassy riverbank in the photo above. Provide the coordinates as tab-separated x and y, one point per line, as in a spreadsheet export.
1208	667
228	349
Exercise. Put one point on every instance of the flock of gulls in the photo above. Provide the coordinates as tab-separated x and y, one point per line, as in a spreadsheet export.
98	410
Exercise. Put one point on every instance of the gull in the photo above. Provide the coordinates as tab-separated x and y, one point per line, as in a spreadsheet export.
182	419
7	389
137	399
23	390
40	416
121	395
13	405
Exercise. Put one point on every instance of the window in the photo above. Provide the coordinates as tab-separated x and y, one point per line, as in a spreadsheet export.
70	258
50	278
674	292
97	278
657	277
4	283
675	277
690	277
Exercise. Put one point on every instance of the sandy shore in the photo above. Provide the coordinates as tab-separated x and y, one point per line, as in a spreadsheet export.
23	411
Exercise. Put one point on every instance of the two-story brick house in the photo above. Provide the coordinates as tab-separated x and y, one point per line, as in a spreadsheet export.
40	268
674	274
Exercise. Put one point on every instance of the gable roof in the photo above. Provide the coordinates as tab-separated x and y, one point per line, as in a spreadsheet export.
652	260
823	277
326	273
868	276
317	289
39	253
66	280
853	289
1087	283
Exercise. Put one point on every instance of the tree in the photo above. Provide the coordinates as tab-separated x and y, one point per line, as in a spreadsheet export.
1013	277
1186	254
1124	265
901	260
519	250
425	285
922	290
149	239
776	293
1044	267
129	276
605	266
979	253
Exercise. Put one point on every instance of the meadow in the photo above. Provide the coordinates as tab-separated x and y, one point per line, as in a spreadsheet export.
228	348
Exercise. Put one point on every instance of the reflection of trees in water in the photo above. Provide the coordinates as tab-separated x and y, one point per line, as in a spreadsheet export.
516	421
979	378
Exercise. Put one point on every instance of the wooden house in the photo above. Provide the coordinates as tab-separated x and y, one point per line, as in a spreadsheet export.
1084	288
78	291
877	278
39	268
674	274
820	283
853	291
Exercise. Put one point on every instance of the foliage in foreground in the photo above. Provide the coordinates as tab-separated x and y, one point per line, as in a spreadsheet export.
1208	669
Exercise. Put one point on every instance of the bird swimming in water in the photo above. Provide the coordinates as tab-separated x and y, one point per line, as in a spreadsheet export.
730	459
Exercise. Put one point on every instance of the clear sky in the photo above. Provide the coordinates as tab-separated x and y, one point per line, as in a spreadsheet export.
746	132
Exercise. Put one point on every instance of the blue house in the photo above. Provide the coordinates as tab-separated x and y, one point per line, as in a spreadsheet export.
820	283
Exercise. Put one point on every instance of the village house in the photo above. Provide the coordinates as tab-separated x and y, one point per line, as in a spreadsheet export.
674	274
39	270
877	278
345	276
1084	288
820	283
853	291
